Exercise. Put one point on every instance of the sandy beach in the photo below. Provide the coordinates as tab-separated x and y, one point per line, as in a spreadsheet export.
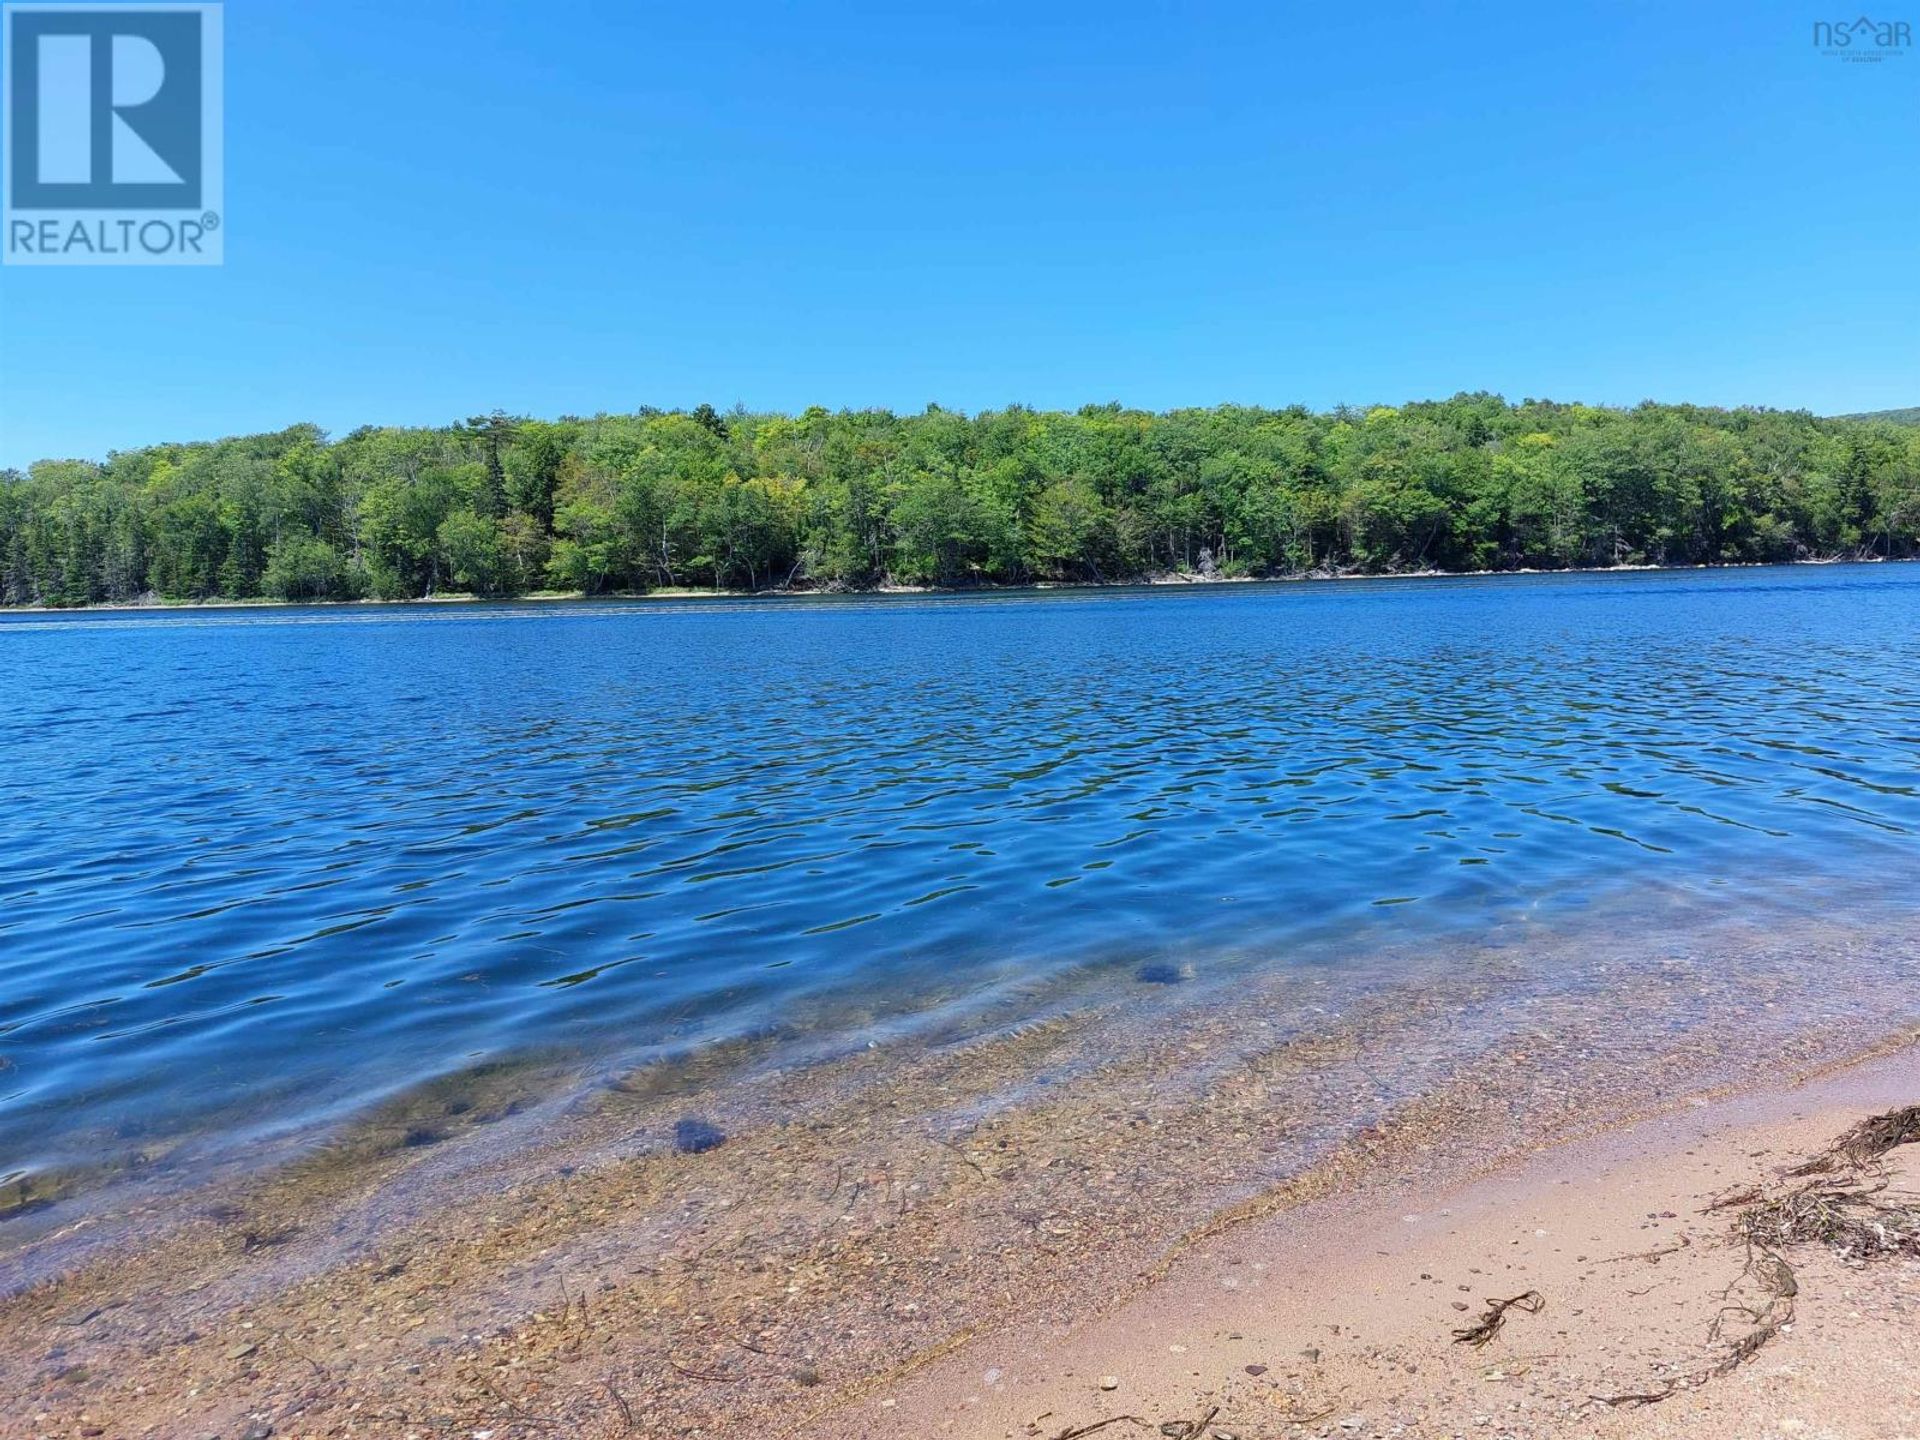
1339	1318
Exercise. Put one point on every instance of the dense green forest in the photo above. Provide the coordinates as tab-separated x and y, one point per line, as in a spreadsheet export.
501	505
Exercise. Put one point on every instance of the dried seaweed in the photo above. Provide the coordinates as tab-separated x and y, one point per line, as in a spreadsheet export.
1635	1399
1842	1215
1865	1143
1488	1326
619	1400
962	1155
1836	1207
1189	1429
1654	1256
1073	1432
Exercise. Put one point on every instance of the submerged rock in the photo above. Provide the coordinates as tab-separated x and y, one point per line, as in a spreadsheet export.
696	1137
1159	974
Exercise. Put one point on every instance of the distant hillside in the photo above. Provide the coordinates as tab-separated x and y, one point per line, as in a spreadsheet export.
1910	416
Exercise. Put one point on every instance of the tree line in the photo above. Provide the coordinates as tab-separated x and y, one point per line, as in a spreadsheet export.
506	505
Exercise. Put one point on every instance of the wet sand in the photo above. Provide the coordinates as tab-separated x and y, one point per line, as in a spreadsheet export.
1061	1195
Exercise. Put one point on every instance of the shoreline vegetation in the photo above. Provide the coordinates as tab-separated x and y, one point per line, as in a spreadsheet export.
668	504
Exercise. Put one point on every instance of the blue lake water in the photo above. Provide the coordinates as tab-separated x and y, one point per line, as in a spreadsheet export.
259	867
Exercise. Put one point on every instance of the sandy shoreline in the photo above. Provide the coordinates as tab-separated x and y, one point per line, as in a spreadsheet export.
895	1224
1161	580
1337	1318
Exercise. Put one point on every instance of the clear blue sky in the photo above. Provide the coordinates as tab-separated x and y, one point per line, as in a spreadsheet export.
435	209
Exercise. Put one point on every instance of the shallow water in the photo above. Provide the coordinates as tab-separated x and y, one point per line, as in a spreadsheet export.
258	868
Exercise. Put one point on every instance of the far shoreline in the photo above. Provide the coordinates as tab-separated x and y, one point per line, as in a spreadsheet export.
1164	580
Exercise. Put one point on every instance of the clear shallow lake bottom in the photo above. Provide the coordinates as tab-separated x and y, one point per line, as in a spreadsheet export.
261	868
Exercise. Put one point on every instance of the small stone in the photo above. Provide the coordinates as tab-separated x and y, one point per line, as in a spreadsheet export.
1459	1304
1354	1422
695	1137
1256	1370
241	1351
259	1430
1109	1382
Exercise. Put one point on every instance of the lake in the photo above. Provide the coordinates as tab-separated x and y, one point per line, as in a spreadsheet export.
260	868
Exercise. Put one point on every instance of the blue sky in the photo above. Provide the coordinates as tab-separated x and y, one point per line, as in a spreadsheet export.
434	209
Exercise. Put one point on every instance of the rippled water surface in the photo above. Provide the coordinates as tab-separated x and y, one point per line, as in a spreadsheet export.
258	866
